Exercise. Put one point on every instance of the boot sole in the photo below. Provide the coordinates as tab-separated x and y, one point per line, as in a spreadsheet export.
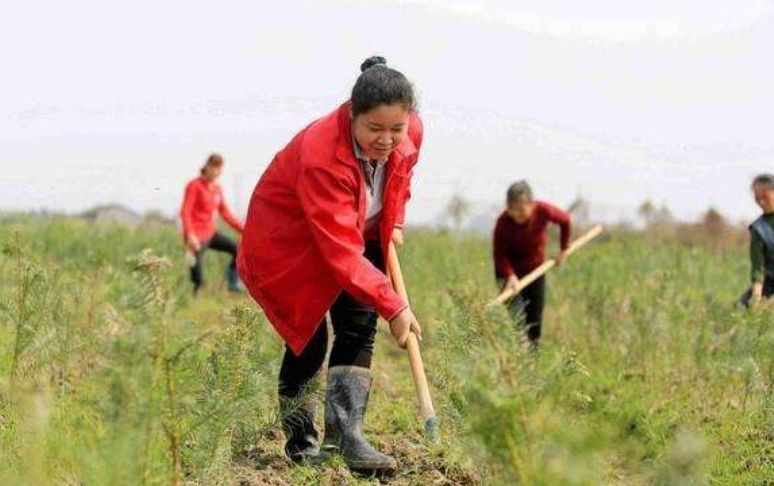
381	474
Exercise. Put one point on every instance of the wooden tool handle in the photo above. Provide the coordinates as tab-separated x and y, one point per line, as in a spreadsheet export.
546	266
420	380
412	346
396	274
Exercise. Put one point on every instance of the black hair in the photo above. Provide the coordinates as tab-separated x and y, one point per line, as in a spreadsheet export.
518	192
381	85
765	180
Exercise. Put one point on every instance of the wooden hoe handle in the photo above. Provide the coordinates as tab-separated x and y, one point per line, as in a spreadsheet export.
546	266
412	347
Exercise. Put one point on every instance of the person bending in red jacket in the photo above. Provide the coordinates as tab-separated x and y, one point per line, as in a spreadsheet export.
520	238
202	200
318	227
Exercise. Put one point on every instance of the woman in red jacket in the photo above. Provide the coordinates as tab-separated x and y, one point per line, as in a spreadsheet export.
203	199
318	228
520	238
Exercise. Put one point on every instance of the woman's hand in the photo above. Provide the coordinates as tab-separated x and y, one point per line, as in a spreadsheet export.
397	237
403	324
193	243
512	283
561	258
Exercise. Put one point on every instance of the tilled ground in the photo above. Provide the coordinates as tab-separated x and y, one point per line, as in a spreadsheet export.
417	465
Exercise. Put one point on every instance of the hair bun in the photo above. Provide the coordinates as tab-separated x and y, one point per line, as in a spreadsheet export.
371	62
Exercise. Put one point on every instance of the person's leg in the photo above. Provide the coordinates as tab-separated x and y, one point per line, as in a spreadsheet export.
297	396
354	330
225	244
768	288
535	296
350	379
517	306
197	273
297	372
354	323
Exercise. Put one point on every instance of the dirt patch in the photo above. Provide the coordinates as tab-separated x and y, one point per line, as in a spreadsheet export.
418	465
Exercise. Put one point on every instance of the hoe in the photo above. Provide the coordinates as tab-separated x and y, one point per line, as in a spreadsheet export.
545	267
415	358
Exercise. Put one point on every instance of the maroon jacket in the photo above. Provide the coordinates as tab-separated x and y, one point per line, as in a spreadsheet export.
520	248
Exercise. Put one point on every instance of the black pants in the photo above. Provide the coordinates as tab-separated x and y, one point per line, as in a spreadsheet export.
218	242
768	291
354	331
527	307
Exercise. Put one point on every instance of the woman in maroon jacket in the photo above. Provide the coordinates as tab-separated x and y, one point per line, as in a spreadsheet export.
520	238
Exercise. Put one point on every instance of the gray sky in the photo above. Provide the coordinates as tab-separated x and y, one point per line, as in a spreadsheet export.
117	101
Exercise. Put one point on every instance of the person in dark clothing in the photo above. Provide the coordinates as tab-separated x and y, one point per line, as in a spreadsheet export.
519	247
761	244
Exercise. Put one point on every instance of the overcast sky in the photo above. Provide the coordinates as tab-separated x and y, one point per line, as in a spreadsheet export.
120	101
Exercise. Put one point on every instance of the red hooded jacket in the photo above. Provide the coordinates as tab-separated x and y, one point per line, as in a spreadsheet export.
303	242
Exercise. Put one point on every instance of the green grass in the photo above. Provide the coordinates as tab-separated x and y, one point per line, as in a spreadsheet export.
110	373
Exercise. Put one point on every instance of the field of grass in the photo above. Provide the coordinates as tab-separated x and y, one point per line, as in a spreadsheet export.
110	373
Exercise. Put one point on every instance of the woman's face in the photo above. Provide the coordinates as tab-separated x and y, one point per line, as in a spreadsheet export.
381	130
212	172
521	211
764	196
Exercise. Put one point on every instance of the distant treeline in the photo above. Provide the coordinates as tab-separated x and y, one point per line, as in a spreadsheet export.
107	213
654	221
712	228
